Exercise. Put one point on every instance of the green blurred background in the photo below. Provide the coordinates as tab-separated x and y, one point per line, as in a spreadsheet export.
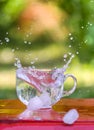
41	33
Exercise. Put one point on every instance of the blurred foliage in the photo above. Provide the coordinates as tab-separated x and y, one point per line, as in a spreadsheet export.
80	23
7	93
9	14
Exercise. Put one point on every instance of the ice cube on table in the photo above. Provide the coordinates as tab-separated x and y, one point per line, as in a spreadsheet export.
71	116
45	98
35	103
26	114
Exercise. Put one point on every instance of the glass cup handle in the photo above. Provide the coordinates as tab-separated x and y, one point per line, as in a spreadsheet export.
67	93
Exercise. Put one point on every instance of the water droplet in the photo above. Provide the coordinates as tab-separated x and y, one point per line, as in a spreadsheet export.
7	33
25	42
64	60
85	41
90	24
70	53
70	46
7	39
29	43
1	43
82	27
77	52
70	34
73	56
71	38
18	63
65	55
32	62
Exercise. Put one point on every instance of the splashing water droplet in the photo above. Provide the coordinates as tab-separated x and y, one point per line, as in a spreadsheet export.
7	39
71	38
25	42
85	41
90	24
82	27
29	43
70	53
70	46
64	60
32	62
69	61
7	33
1	43
65	55
72	57
70	34
77	52
18	63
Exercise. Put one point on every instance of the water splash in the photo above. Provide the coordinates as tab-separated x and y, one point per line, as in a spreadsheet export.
68	62
18	63
36	82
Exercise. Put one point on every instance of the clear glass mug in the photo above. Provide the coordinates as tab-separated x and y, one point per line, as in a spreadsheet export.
47	85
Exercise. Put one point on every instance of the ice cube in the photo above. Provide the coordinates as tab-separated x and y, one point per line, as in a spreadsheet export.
26	114
71	116
45	98
35	103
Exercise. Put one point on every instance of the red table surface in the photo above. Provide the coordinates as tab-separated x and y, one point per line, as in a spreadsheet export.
11	112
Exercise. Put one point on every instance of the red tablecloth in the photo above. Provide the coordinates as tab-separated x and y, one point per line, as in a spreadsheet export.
11	112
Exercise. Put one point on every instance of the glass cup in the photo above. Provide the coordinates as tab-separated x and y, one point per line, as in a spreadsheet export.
47	85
